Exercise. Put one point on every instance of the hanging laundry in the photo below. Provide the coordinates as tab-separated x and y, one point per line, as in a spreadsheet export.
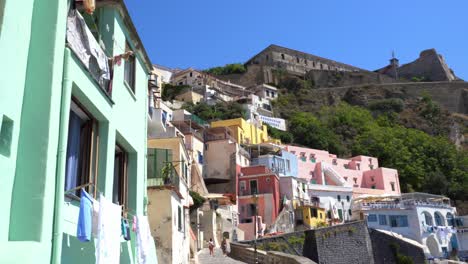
83	232
125	229
134	224
108	241
95	218
144	240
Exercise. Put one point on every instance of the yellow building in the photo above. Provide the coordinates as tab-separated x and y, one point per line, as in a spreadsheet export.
243	131
311	216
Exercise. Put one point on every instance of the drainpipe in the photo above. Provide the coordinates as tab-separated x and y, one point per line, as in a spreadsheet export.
57	235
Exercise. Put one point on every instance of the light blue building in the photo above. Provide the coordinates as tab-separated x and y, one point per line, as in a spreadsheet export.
282	162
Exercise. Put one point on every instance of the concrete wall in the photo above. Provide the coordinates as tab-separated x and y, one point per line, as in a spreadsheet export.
381	247
31	33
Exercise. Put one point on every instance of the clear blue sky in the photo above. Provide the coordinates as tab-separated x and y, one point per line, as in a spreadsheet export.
363	33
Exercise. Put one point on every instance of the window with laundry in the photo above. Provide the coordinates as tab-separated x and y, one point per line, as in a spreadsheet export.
82	155
120	186
129	70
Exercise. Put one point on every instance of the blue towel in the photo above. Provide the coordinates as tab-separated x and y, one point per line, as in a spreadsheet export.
83	232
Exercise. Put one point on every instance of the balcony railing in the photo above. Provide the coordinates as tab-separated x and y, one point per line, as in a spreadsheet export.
172	179
407	204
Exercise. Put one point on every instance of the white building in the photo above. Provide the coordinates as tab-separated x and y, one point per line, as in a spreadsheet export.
335	199
425	218
266	91
461	224
295	190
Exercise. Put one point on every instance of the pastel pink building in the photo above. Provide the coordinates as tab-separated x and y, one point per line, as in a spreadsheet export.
362	173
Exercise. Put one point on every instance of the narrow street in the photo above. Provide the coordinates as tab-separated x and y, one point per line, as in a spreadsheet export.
205	258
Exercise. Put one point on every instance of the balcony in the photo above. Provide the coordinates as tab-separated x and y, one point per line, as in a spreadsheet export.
87	49
170	180
401	205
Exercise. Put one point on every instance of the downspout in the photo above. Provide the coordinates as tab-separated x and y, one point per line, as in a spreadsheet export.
57	235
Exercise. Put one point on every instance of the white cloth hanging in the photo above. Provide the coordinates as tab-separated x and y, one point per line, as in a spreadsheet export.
144	240
108	240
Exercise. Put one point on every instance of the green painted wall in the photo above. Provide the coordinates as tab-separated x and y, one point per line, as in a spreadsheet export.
33	87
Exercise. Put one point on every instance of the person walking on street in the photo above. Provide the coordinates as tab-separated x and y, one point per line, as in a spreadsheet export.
224	246
211	247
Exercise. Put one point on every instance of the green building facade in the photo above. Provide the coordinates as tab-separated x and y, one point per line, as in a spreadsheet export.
68	122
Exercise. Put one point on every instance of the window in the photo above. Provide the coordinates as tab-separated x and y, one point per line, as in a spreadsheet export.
349	212
427	218
200	157
191	74
372	218
340	214
348	198
382	220
313	212
312	174
120	186
355	180
266	57
252	210
339	198
282	56
297	59
242	185
439	219
334	162
398	220
358	166
253	187
392	184
372	179
129	70
313	64
267	180
373	187
450	219
179	218
305	61
82	156
288	165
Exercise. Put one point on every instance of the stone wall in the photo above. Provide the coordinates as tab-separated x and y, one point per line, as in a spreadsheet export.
383	254
430	66
351	241
245	253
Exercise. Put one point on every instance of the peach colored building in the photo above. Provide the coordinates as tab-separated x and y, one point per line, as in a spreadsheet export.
362	173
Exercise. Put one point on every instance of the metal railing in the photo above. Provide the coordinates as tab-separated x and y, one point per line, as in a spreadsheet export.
171	179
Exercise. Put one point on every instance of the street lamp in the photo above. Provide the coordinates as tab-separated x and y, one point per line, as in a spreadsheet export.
255	199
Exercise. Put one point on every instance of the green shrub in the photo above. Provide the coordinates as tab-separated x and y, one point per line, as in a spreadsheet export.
227	69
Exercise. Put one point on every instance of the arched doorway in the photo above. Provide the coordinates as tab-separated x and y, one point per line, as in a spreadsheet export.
433	246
